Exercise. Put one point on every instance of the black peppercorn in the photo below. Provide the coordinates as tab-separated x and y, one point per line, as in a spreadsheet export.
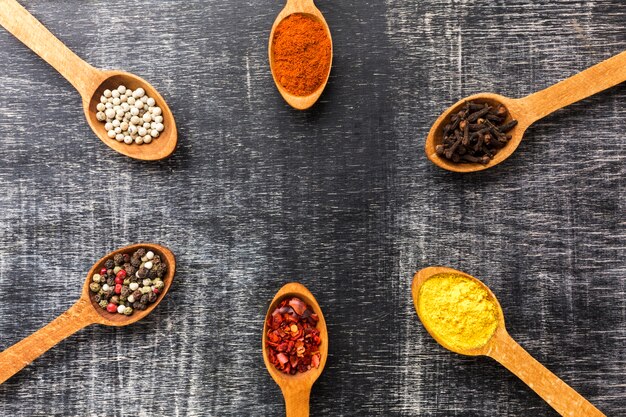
142	272
125	291
118	259
135	262
152	297
140	252
109	264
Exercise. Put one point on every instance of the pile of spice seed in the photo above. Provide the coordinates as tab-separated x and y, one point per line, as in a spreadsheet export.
475	133
130	116
292	337
129	282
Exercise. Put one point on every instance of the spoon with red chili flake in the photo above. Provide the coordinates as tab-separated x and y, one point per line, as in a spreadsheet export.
301	364
83	313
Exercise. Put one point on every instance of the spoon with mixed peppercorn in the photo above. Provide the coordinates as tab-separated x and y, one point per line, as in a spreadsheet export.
87	311
295	345
91	83
482	130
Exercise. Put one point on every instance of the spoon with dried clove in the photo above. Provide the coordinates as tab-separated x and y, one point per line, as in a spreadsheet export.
297	388
89	81
493	340
82	314
525	110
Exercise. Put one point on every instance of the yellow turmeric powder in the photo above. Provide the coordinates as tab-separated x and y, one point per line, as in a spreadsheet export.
458	310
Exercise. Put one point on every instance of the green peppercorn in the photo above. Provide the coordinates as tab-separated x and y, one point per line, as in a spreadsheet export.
127	281
158	284
128	311
103	303
94	287
96	277
117	269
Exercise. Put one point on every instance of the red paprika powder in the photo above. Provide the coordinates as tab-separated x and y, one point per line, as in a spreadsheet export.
292	339
301	54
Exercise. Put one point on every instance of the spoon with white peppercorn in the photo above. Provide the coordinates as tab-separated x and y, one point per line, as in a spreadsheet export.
83	313
90	82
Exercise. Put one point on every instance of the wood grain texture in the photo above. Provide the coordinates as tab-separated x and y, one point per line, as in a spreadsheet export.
340	198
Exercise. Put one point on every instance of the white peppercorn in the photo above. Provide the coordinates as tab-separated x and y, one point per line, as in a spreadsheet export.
131	114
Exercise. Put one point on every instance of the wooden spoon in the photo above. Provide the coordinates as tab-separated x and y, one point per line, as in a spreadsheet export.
505	350
531	108
89	81
304	7
82	314
297	388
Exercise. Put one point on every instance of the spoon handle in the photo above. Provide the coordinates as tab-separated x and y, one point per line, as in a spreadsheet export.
13	359
591	81
297	402
563	398
18	21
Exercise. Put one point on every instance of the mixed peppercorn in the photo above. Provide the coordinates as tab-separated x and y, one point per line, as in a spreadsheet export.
129	282
292	339
475	133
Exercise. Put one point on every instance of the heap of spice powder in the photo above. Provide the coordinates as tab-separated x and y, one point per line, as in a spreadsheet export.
475	133
458	310
301	54
292	338
128	282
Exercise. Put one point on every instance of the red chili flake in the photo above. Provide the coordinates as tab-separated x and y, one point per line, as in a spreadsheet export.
292	337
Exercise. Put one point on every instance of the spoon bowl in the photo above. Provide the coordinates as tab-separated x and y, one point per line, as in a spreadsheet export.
159	148
529	109
114	319
305	7
89	81
501	347
297	388
516	111
83	313
424	275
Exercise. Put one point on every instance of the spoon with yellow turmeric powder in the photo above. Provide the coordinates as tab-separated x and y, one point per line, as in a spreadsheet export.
464	316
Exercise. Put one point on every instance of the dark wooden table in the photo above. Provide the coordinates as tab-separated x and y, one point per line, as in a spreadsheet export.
340	198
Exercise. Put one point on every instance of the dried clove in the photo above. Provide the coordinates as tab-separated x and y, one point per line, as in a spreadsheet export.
476	133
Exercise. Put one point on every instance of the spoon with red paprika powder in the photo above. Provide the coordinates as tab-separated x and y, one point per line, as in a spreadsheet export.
296	386
83	313
300	53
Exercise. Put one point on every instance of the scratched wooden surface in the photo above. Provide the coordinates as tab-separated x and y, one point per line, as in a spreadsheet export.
340	198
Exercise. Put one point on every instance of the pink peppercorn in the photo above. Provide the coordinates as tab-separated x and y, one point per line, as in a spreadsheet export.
111	308
103	272
121	274
118	288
